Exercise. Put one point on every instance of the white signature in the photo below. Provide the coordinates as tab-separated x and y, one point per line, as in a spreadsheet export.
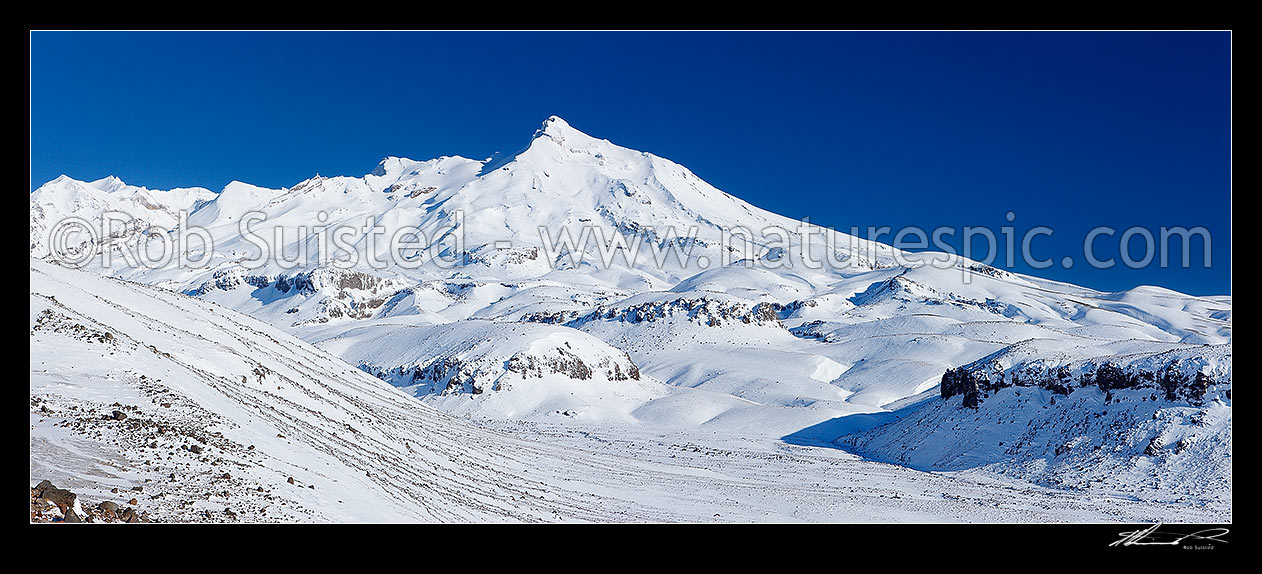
1150	537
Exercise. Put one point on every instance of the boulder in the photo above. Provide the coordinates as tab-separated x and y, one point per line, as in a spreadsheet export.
61	497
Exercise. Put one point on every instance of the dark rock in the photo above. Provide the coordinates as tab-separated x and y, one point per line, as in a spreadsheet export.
119	415
61	497
43	485
987	376
960	381
1110	376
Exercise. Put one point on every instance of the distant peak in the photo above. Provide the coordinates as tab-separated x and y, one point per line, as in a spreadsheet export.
61	182
109	184
383	166
241	187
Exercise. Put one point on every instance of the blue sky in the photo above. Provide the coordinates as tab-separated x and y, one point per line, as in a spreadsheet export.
1065	130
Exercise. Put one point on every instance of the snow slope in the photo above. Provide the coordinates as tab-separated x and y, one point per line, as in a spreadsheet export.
203	414
261	407
1147	425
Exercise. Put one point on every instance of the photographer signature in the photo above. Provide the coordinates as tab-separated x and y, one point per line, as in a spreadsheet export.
1150	537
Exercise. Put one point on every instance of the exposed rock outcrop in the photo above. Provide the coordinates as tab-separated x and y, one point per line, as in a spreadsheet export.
1185	374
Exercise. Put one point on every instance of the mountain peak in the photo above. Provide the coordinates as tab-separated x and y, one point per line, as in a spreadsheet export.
555	122
109	184
60	180
551	133
558	129
390	163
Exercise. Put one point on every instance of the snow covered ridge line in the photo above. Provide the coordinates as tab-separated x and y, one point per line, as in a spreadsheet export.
766	247
74	241
1187	374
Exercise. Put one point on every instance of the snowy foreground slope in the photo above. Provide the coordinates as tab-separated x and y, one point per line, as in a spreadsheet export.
680	333
1154	426
261	406
222	410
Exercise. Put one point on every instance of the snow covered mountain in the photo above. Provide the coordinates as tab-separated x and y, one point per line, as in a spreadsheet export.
679	327
138	208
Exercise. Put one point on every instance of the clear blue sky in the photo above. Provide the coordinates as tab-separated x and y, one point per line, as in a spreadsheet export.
1067	130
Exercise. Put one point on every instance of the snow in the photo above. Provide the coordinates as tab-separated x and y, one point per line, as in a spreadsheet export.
759	355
